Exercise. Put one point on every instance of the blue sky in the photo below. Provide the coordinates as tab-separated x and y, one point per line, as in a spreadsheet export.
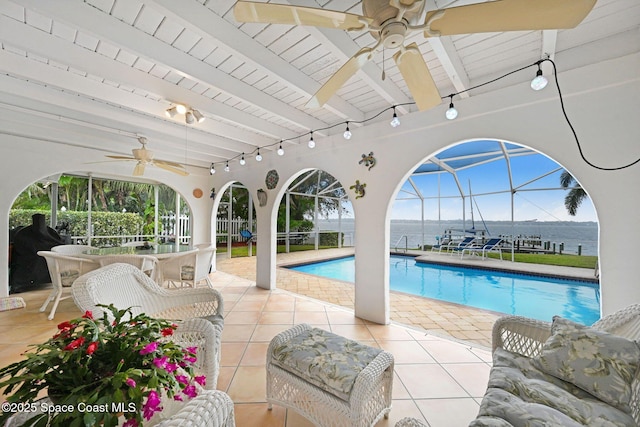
542	204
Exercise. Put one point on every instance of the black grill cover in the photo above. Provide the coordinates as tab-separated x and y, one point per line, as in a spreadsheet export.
28	269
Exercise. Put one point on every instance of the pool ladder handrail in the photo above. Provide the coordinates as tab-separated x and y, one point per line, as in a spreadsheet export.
406	243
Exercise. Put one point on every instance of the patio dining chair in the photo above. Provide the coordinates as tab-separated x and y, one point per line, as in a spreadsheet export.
178	270
63	270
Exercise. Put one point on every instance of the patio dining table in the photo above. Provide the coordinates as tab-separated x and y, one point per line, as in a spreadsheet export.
159	251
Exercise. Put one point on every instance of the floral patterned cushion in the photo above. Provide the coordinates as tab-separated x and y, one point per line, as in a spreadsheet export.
187	272
521	395
600	363
68	277
324	359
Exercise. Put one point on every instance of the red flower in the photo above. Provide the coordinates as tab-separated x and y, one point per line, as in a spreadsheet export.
166	332
75	344
92	348
66	325
88	315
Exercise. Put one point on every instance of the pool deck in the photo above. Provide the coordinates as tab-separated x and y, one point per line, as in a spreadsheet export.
435	317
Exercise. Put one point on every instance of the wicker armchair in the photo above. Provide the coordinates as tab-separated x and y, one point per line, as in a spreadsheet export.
205	336
124	285
63	270
146	263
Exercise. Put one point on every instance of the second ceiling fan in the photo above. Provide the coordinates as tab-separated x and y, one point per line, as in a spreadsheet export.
391	21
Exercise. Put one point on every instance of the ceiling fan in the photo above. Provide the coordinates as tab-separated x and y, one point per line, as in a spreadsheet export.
391	21
144	157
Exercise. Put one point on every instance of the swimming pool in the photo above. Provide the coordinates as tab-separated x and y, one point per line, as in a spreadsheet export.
537	297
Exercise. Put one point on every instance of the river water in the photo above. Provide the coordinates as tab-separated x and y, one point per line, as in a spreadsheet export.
572	234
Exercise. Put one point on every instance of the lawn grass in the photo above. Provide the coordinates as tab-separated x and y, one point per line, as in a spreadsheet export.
581	261
241	251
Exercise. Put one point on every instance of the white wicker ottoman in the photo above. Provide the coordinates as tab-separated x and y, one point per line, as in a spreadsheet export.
331	380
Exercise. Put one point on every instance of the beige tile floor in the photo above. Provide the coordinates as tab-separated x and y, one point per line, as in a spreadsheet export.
438	379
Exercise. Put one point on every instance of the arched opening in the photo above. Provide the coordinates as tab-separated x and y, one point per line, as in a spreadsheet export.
87	210
235	221
495	188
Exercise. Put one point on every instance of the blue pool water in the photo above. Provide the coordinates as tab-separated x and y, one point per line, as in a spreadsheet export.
537	297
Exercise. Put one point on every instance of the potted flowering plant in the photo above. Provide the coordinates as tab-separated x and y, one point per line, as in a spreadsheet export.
96	370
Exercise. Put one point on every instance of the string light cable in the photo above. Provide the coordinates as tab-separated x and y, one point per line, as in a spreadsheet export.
450	98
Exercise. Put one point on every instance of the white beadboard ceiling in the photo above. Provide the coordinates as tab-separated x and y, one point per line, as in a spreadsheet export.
114	66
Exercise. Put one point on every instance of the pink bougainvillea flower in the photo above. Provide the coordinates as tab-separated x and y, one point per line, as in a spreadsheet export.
92	348
182	379
161	362
171	367
131	422
190	391
192	350
149	348
130	382
166	332
152	405
177	397
201	379
75	344
190	359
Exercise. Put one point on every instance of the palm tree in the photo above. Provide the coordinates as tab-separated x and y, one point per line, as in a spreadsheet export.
576	195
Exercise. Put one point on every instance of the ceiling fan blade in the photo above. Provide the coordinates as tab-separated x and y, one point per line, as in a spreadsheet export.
139	169
269	13
417	76
163	165
340	77
165	162
121	157
508	15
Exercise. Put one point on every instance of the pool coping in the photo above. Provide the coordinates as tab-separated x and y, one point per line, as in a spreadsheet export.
423	258
593	280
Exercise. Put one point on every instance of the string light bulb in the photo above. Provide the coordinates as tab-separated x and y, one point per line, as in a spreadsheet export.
311	143
258	156
212	170
280	150
242	160
226	166
347	132
451	113
539	82
395	122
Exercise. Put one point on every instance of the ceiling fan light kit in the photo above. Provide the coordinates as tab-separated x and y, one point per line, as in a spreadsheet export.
191	115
